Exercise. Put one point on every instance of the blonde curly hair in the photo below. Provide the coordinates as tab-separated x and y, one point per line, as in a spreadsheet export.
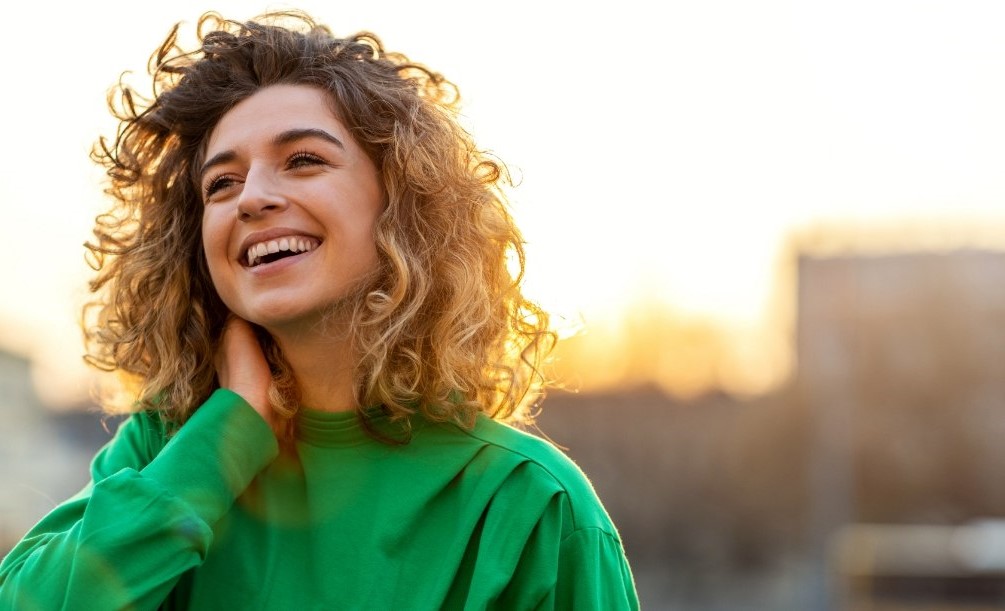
443	329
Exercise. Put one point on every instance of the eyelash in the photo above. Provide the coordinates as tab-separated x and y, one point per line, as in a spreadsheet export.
296	160
215	185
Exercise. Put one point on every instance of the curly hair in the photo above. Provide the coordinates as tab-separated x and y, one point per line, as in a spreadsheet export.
444	329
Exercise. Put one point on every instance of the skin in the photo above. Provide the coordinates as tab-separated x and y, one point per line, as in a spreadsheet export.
241	367
281	165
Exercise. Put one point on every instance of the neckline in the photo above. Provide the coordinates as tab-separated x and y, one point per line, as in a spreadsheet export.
345	428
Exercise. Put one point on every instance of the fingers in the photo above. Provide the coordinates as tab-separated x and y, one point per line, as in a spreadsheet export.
241	366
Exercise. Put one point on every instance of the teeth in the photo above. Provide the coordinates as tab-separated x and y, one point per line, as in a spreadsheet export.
292	244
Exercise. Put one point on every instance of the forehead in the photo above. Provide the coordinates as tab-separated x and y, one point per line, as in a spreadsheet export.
272	110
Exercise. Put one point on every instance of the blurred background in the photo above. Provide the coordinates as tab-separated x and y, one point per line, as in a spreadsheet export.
771	232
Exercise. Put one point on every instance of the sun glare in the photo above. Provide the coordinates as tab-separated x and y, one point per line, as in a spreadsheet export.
659	176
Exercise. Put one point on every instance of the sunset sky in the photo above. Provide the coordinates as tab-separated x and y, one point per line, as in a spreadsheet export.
662	156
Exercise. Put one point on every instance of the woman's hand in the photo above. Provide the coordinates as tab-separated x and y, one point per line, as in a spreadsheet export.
242	368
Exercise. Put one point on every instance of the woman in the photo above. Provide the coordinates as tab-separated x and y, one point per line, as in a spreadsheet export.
304	283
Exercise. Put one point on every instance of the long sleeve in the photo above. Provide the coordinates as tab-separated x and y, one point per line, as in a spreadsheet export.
584	570
145	518
593	573
542	546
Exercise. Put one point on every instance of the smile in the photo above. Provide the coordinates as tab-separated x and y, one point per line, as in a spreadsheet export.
273	250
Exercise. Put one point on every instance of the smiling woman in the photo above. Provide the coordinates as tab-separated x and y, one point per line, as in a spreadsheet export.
305	281
284	172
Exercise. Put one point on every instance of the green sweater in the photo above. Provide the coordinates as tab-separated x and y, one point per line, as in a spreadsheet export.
217	517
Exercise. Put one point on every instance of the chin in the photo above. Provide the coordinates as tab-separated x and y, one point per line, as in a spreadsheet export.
303	311
277	322
284	320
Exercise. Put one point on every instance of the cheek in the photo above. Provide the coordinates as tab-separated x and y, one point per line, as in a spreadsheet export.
214	249
364	250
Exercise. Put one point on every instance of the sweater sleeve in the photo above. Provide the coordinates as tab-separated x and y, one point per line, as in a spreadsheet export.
145	518
560	551
593	573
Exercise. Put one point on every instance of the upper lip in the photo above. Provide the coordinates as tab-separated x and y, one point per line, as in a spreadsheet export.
273	233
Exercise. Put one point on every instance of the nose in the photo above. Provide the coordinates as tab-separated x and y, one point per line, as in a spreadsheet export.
259	196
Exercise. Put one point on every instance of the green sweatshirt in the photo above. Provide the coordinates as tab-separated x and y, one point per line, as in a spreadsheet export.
217	517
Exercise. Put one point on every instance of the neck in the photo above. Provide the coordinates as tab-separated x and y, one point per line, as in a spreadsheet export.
323	363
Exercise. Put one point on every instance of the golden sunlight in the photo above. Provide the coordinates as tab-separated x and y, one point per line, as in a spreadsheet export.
660	177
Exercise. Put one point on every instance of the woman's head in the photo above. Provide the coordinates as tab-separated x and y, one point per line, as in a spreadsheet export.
290	205
436	316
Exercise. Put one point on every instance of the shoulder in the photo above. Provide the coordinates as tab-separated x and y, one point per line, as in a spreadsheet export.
540	465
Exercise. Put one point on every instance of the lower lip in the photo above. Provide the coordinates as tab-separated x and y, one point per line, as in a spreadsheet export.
268	269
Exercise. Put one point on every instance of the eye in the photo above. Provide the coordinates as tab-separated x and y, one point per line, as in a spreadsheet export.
218	184
303	159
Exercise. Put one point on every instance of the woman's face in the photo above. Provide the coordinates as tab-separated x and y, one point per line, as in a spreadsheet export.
290	204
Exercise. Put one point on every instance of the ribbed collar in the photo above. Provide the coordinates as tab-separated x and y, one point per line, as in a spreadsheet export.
332	429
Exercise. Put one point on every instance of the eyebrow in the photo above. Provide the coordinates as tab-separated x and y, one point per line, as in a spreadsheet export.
281	139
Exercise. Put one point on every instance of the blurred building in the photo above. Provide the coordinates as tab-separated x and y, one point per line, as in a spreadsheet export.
901	368
45	455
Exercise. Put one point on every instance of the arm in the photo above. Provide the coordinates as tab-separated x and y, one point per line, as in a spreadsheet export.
593	573
146	516
559	552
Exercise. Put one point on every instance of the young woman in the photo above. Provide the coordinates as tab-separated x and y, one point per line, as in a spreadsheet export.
305	283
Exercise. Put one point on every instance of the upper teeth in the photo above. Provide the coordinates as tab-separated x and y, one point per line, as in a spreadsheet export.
291	243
